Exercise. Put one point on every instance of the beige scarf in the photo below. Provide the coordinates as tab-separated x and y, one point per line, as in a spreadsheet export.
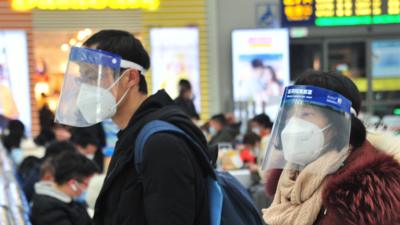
298	198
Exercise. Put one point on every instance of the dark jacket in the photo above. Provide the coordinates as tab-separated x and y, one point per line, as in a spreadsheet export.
226	135
187	107
365	191
50	207
172	187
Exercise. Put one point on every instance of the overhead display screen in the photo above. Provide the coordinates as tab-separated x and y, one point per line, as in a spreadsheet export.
339	12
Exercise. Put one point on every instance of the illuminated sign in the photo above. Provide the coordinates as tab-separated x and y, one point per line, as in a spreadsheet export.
339	12
24	5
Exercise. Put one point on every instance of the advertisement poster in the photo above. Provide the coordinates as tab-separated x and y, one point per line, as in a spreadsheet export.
385	58
260	68
175	56
14	77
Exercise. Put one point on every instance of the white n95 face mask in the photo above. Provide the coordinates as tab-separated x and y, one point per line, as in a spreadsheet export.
97	104
302	141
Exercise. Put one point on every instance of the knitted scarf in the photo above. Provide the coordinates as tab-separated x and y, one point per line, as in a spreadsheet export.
298	198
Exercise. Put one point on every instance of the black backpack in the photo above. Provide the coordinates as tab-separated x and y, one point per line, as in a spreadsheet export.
230	203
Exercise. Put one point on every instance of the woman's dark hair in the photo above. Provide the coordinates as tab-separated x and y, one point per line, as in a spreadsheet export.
14	133
72	165
273	73
344	86
124	44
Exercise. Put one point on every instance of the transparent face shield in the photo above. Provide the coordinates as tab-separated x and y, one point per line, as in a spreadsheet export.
312	129
90	89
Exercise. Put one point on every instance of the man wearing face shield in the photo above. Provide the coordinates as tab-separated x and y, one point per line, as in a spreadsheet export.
321	169
105	79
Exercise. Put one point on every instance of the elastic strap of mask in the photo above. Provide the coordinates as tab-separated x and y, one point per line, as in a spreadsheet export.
128	64
122	98
353	111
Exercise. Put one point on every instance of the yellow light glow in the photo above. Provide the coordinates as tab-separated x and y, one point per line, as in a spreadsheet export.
72	42
41	88
64	47
25	5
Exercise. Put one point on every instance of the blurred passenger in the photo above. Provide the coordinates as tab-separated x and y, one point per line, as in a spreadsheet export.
262	126
185	99
62	132
30	169
59	203
28	173
46	121
220	131
331	174
13	134
98	134
87	144
251	142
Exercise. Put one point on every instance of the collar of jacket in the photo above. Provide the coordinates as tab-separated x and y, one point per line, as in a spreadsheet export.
47	188
151	104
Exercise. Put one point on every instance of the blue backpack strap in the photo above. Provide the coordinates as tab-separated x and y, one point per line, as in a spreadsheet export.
153	127
157	126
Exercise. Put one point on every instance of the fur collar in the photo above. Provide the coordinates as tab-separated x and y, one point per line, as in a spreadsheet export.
365	191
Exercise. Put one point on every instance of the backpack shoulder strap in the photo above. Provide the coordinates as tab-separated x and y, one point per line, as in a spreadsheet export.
153	127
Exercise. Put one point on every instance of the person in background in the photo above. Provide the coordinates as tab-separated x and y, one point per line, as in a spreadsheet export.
62	132
46	122
87	144
220	131
185	99
13	134
262	126
251	142
59	203
30	169
248	154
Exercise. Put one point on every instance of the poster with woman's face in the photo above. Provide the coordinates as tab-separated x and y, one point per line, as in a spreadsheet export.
260	67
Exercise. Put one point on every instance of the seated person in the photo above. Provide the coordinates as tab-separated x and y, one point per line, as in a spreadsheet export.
251	142
220	131
57	203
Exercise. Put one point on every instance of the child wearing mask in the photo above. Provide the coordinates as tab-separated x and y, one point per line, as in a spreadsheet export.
59	203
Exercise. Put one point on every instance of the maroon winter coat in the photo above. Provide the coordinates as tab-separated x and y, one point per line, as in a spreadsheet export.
365	191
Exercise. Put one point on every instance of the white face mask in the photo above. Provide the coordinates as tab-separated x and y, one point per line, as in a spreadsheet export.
302	141
98	104
213	131
257	131
90	156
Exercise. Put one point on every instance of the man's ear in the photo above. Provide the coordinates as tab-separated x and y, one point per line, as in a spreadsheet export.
133	77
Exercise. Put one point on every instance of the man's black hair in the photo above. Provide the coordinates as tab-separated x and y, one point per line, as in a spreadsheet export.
72	165
220	118
57	147
13	138
124	44
251	139
264	120
84	139
184	86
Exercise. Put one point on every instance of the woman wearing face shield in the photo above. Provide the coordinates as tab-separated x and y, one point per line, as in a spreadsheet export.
321	170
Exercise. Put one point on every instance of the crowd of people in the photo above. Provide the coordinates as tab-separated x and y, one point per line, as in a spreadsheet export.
316	164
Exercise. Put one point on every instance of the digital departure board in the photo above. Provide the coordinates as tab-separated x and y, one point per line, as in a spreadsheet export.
339	12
